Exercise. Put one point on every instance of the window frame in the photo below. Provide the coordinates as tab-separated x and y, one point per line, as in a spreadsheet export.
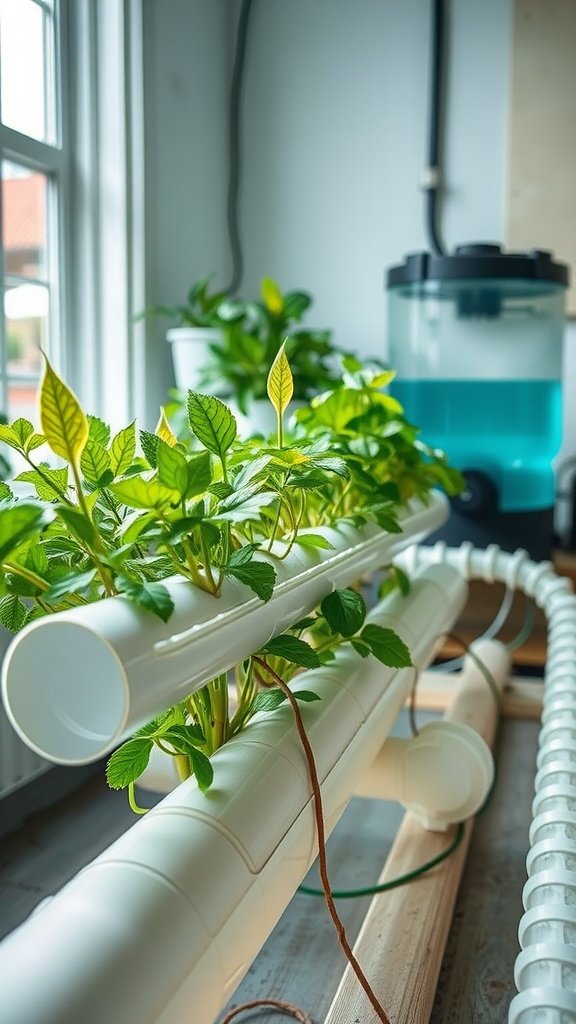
95	228
51	159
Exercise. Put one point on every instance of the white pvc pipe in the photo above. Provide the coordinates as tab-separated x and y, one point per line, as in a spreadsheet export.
78	682
444	773
552	998
162	926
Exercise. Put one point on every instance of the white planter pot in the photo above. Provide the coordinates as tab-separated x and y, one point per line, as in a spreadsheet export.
76	683
189	345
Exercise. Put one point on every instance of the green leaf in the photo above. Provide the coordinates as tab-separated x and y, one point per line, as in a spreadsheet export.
21	436
292	649
64	422
212	422
123	449
164	430
98	431
305	623
242	555
12	613
172	468
259	576
139	493
183	737
362	649
202	768
332	464
313	540
402	580
280	383
268	700
78	523
128	762
220	489
30	440
273	298
396	579
306	696
37	559
133	525
344	611
386	645
49	484
150	444
5	492
245	505
384	516
152	596
249	470
19	522
23	429
70	584
8	436
94	462
181	528
199	475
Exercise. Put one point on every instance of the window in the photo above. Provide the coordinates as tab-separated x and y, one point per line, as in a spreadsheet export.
71	202
34	167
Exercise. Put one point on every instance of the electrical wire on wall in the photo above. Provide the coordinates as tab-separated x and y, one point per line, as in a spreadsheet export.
432	178
235	160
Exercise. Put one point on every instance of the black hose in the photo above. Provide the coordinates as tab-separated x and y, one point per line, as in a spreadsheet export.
232	216
436	118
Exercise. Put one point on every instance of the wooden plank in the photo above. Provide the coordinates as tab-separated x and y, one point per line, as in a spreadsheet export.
540	194
522	698
402	941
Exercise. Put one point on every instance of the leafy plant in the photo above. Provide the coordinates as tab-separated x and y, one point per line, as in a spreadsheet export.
199	309
128	510
250	336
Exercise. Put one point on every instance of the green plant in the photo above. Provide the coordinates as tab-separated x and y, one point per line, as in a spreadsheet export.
199	309
115	521
250	335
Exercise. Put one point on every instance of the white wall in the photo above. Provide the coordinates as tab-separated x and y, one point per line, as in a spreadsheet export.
187	62
335	144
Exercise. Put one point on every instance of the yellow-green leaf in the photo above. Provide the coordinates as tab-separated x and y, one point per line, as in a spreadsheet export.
123	449
164	430
138	493
273	299
280	382
63	420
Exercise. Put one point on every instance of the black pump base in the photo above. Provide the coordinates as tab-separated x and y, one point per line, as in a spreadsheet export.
531	530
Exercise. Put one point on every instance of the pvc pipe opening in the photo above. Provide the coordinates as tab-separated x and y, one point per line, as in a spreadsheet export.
75	708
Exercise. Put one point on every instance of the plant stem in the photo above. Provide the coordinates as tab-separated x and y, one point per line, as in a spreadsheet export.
183	767
132	801
207	567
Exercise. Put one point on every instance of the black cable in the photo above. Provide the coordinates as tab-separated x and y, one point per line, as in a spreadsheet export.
234	147
435	124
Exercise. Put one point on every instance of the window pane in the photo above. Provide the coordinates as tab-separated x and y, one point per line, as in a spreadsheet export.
22	401
26	312
24	228
24	27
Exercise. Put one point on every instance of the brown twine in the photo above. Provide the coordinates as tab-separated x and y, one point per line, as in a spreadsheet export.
323	866
277	1004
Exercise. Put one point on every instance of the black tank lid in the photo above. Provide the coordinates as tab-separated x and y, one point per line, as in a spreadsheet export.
478	260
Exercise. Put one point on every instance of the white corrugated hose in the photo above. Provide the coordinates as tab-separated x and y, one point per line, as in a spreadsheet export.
545	969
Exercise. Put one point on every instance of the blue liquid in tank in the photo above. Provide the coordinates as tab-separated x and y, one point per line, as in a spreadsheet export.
511	429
